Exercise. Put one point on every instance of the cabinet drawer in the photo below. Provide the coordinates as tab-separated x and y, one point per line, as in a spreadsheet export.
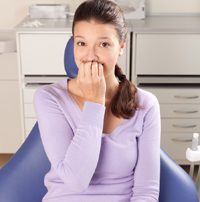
175	95
168	54
43	53
180	125
180	111
175	144
28	94
29	111
29	123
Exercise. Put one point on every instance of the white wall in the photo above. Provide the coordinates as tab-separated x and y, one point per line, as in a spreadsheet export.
13	11
173	6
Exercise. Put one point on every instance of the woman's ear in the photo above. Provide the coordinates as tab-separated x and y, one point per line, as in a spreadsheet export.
122	46
121	52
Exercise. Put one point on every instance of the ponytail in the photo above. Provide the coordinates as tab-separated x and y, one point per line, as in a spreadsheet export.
124	103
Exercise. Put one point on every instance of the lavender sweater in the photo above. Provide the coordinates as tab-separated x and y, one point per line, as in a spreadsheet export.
90	166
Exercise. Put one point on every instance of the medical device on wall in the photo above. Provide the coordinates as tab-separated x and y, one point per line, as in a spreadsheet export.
133	9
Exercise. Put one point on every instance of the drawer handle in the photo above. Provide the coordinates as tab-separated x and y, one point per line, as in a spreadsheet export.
186	97
181	139
186	112
183	126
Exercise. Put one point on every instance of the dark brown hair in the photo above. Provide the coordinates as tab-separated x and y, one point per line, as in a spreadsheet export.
124	102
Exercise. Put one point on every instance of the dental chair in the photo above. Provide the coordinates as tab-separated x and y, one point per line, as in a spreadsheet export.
22	178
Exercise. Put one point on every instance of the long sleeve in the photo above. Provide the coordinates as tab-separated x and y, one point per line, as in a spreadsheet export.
147	171
73	155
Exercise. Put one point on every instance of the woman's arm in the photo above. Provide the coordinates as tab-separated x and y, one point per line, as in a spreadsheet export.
147	171
72	156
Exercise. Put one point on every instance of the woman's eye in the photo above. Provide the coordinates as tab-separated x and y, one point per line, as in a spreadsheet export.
80	43
104	44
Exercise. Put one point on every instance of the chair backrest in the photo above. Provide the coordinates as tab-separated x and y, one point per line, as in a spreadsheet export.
69	62
175	184
22	178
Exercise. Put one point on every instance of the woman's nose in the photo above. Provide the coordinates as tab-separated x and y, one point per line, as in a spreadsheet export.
90	55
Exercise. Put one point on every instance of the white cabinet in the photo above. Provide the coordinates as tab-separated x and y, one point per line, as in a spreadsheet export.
42	53
180	113
167	64
29	112
40	61
167	54
10	124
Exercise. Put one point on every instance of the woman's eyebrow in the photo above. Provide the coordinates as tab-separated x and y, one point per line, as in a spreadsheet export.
104	37
79	37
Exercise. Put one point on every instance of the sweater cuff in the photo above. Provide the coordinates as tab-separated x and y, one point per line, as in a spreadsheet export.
93	114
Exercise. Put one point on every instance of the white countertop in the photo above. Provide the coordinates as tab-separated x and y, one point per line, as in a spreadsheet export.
29	24
153	24
159	24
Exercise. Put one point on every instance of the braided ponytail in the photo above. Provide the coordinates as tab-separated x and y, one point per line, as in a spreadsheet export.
124	102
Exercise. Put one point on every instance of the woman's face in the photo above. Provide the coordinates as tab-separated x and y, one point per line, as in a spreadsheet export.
95	41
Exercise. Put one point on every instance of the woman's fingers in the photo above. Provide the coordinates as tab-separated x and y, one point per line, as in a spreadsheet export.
94	69
92	82
90	70
101	75
87	70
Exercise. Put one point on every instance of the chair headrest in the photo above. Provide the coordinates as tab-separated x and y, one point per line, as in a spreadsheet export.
69	62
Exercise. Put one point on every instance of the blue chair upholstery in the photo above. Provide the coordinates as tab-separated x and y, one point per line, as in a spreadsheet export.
175	184
22	178
69	61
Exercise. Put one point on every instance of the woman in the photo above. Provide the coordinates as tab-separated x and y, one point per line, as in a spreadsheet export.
100	133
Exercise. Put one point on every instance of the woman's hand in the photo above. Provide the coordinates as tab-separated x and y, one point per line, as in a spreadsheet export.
91	82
